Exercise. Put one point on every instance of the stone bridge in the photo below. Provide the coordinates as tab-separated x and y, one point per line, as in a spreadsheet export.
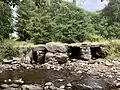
61	52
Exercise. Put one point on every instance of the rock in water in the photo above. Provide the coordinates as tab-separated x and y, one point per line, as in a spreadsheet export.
20	81
49	84
4	86
31	87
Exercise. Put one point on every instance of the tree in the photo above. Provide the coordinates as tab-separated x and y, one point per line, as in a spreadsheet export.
5	26
17	2
53	21
112	11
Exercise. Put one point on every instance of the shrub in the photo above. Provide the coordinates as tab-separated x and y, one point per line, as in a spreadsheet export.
113	48
7	50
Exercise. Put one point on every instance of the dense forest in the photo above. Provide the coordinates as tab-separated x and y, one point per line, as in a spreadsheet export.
42	21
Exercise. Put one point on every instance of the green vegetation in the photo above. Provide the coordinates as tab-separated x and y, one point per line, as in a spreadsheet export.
42	21
5	26
7	50
64	22
113	48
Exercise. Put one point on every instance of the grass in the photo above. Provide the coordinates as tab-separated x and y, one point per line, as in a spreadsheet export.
112	47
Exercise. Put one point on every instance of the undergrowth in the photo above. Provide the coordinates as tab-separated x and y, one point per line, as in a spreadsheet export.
7	51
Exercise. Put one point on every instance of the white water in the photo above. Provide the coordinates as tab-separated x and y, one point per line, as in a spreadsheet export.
14	16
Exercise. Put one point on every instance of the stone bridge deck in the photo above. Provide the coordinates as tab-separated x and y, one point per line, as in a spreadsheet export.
61	52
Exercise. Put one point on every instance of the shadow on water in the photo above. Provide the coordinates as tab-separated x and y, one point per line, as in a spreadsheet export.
41	76
36	76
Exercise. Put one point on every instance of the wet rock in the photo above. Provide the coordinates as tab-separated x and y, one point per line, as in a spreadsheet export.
110	76
5	81
16	59
79	72
60	80
91	62
26	66
107	63
31	87
11	88
9	80
19	81
82	87
52	87
4	86
69	85
14	68
14	85
62	87
49	84
56	47
27	59
118	79
86	56
118	84
73	60
49	66
5	61
46	66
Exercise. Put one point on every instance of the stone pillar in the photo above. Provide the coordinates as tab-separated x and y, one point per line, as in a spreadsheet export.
85	52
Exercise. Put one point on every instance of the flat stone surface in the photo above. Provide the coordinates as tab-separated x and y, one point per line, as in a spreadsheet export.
56	47
40	47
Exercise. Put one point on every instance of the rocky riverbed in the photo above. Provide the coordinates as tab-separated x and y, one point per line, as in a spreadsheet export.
75	74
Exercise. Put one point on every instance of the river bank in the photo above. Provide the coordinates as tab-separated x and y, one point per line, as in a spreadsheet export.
79	74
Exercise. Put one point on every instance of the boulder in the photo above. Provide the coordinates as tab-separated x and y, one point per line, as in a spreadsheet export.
4	86
14	85
29	56
62	87
118	84
49	84
107	63
5	61
27	60
49	56
31	87
69	85
16	59
19	81
56	47
86	56
61	57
